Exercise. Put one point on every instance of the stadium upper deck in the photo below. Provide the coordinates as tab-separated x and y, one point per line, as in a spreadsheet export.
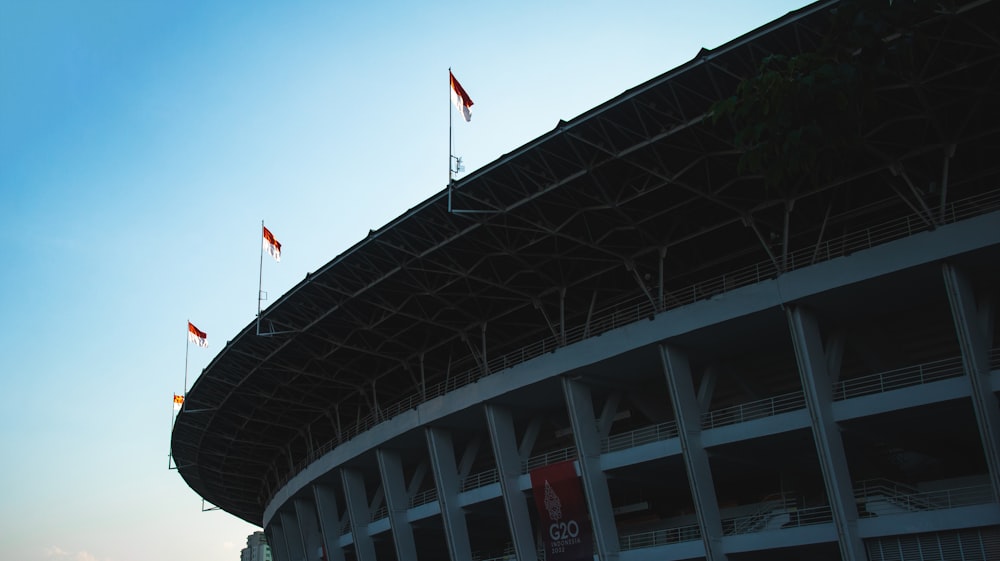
629	210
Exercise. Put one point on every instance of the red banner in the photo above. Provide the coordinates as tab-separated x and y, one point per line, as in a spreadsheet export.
562	513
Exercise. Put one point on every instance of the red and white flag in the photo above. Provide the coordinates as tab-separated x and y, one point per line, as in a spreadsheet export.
271	245
178	401
197	336
460	98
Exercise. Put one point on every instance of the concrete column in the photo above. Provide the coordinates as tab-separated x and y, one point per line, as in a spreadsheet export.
505	451
312	538
293	538
276	539
358	512
685	402
328	514
390	467
974	327
588	445
442	453
818	389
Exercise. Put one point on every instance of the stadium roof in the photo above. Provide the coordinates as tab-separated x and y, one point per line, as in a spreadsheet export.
639	197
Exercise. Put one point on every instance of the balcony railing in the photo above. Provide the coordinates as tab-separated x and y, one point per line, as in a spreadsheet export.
550	457
641	307
644	435
775	516
508	553
759	519
664	536
423	497
808	516
904	500
906	376
767	407
782	513
480	479
771	514
793	401
898	378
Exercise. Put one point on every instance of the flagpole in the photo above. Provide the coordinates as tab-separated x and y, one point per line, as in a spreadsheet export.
187	348
450	145
260	274
170	449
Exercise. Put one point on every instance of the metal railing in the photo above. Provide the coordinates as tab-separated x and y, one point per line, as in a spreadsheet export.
423	497
808	516
664	536
761	408
641	307
898	378
550	457
505	555
909	500
758	519
644	435
792	517
882	486
480	479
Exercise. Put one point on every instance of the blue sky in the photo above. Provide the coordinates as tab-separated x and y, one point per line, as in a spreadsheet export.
141	144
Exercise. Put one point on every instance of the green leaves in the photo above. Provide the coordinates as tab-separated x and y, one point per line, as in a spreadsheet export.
799	117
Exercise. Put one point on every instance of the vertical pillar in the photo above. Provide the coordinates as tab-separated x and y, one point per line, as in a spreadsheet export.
442	453
358	512
504	440
818	389
974	329
595	485
685	402
328	515
390	467
305	513
293	538
276	539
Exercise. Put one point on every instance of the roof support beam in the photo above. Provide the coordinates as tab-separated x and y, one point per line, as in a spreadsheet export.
442	453
580	408
330	522
293	537
312	537
357	506
818	390
974	327
390	468
699	473
508	462
276	539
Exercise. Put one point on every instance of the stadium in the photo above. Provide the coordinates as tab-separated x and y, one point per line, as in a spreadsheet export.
682	325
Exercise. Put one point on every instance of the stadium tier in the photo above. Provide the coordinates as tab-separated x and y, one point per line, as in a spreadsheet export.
745	310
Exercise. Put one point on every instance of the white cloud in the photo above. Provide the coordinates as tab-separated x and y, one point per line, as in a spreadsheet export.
56	552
